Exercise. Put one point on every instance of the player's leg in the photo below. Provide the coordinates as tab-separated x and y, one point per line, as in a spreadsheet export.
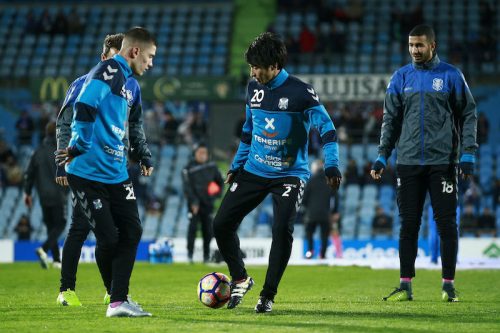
59	218
287	196
123	205
325	232
310	228
206	230
443	189
94	199
244	194
77	234
411	190
191	233
104	262
46	246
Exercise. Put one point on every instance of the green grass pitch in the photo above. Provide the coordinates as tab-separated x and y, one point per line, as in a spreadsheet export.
310	299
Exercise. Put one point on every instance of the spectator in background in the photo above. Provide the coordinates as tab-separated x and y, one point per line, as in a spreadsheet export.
75	25
5	152
41	173
291	44
486	224
468	222
25	128
307	40
170	128
44	23
381	223
483	128
202	184
152	126
318	206
23	228
324	11
13	172
198	127
351	174
60	24
337	41
31	26
193	128
355	11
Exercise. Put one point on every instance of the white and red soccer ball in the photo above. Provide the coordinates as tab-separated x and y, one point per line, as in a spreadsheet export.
214	290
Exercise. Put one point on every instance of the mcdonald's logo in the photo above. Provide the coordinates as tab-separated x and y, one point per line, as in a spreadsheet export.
53	88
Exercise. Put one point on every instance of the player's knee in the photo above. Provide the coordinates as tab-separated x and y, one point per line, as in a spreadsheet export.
409	230
108	243
447	229
283	231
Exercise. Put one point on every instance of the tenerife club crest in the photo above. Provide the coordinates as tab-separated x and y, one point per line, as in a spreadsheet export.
283	103
437	84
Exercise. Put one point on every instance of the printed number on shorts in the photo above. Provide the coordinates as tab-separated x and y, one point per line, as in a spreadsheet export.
130	194
287	191
447	186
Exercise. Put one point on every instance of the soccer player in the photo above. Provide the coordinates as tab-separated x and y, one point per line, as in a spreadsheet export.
430	117
96	164
80	226
202	184
272	159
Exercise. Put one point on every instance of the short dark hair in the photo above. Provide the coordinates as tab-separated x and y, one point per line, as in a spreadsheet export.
141	35
423	30
268	49
112	41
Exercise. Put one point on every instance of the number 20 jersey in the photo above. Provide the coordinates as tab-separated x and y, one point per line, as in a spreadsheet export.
275	134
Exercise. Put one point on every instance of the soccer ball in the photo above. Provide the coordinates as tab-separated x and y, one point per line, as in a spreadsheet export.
214	290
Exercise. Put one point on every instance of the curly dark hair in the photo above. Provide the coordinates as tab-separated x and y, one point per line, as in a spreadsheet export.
268	49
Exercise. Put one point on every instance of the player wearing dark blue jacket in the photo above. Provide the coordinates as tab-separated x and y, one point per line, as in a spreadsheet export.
96	163
272	159
430	118
80	226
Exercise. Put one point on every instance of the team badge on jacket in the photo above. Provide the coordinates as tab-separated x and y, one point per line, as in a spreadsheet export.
437	84
283	103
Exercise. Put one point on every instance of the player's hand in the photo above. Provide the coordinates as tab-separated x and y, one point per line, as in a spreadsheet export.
61	178
145	171
231	175
146	167
195	209
378	168
333	177
28	200
62	157
63	181
467	166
